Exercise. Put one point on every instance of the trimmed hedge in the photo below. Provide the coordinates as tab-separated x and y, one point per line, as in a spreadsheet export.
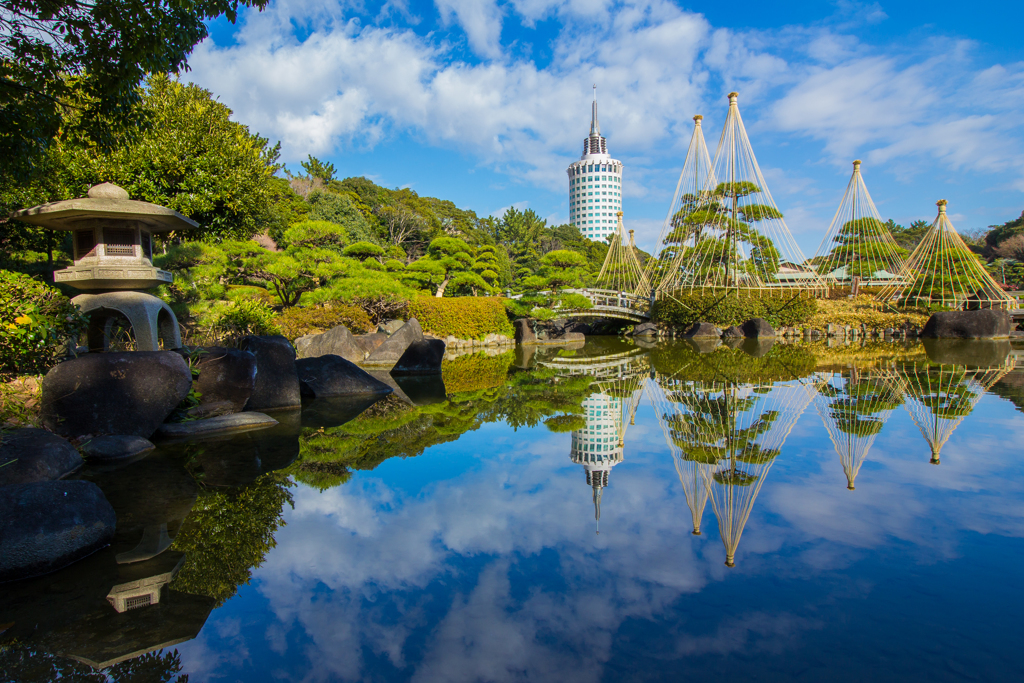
298	321
467	317
778	308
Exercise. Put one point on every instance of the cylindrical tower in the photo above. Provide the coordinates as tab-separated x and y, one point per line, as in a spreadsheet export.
595	185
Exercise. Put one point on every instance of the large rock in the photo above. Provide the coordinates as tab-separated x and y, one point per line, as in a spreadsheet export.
524	331
277	384
981	324
391	350
222	424
227	378
116	447
758	328
29	455
368	343
114	393
389	327
702	331
337	341
421	358
334	376
569	337
732	332
645	330
47	525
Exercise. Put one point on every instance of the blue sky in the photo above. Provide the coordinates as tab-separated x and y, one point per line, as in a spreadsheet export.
485	102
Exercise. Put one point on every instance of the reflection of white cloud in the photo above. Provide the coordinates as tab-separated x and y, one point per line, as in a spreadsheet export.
372	567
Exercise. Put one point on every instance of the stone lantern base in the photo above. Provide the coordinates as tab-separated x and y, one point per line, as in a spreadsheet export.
151	320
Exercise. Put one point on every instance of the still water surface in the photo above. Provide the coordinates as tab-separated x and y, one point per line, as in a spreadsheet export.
610	513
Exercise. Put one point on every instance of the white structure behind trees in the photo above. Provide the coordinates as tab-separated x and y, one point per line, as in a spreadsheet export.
595	185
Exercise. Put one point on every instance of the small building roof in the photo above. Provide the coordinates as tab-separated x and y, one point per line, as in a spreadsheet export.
105	200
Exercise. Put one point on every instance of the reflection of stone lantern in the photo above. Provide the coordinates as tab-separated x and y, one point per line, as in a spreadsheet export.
113	250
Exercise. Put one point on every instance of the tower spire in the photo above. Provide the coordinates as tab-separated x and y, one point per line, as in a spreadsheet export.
595	127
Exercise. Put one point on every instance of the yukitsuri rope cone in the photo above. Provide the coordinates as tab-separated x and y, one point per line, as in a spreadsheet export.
857	243
677	432
621	269
943	272
854	406
692	181
939	397
734	238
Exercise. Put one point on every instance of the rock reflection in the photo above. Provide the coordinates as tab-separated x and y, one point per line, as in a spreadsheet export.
939	397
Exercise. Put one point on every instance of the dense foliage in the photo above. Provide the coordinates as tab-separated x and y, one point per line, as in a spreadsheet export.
37	323
684	308
58	56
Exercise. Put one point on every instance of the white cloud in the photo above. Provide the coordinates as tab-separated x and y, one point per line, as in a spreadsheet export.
323	79
480	19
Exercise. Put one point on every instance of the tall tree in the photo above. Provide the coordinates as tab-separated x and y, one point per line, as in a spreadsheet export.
58	56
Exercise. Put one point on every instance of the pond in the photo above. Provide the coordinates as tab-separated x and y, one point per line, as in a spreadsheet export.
613	512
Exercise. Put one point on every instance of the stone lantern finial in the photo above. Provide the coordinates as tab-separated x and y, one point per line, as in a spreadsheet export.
107	191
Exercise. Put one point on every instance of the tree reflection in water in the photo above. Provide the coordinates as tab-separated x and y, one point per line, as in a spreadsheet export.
725	415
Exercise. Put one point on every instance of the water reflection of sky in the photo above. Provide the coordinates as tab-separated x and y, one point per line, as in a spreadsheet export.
478	560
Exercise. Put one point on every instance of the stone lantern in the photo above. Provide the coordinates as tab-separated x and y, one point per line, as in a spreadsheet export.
113	251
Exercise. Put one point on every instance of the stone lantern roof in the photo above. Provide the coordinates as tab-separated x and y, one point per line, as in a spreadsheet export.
113	238
104	201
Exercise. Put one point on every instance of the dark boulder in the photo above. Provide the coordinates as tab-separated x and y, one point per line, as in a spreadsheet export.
421	358
114	393
702	331
29	455
227	378
48	525
392	349
732	332
524	331
982	324
277	384
337	341
334	376
115	447
758	328
645	330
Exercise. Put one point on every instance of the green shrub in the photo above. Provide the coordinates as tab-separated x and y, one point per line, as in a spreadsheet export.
247	316
778	308
36	324
469	317
298	321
